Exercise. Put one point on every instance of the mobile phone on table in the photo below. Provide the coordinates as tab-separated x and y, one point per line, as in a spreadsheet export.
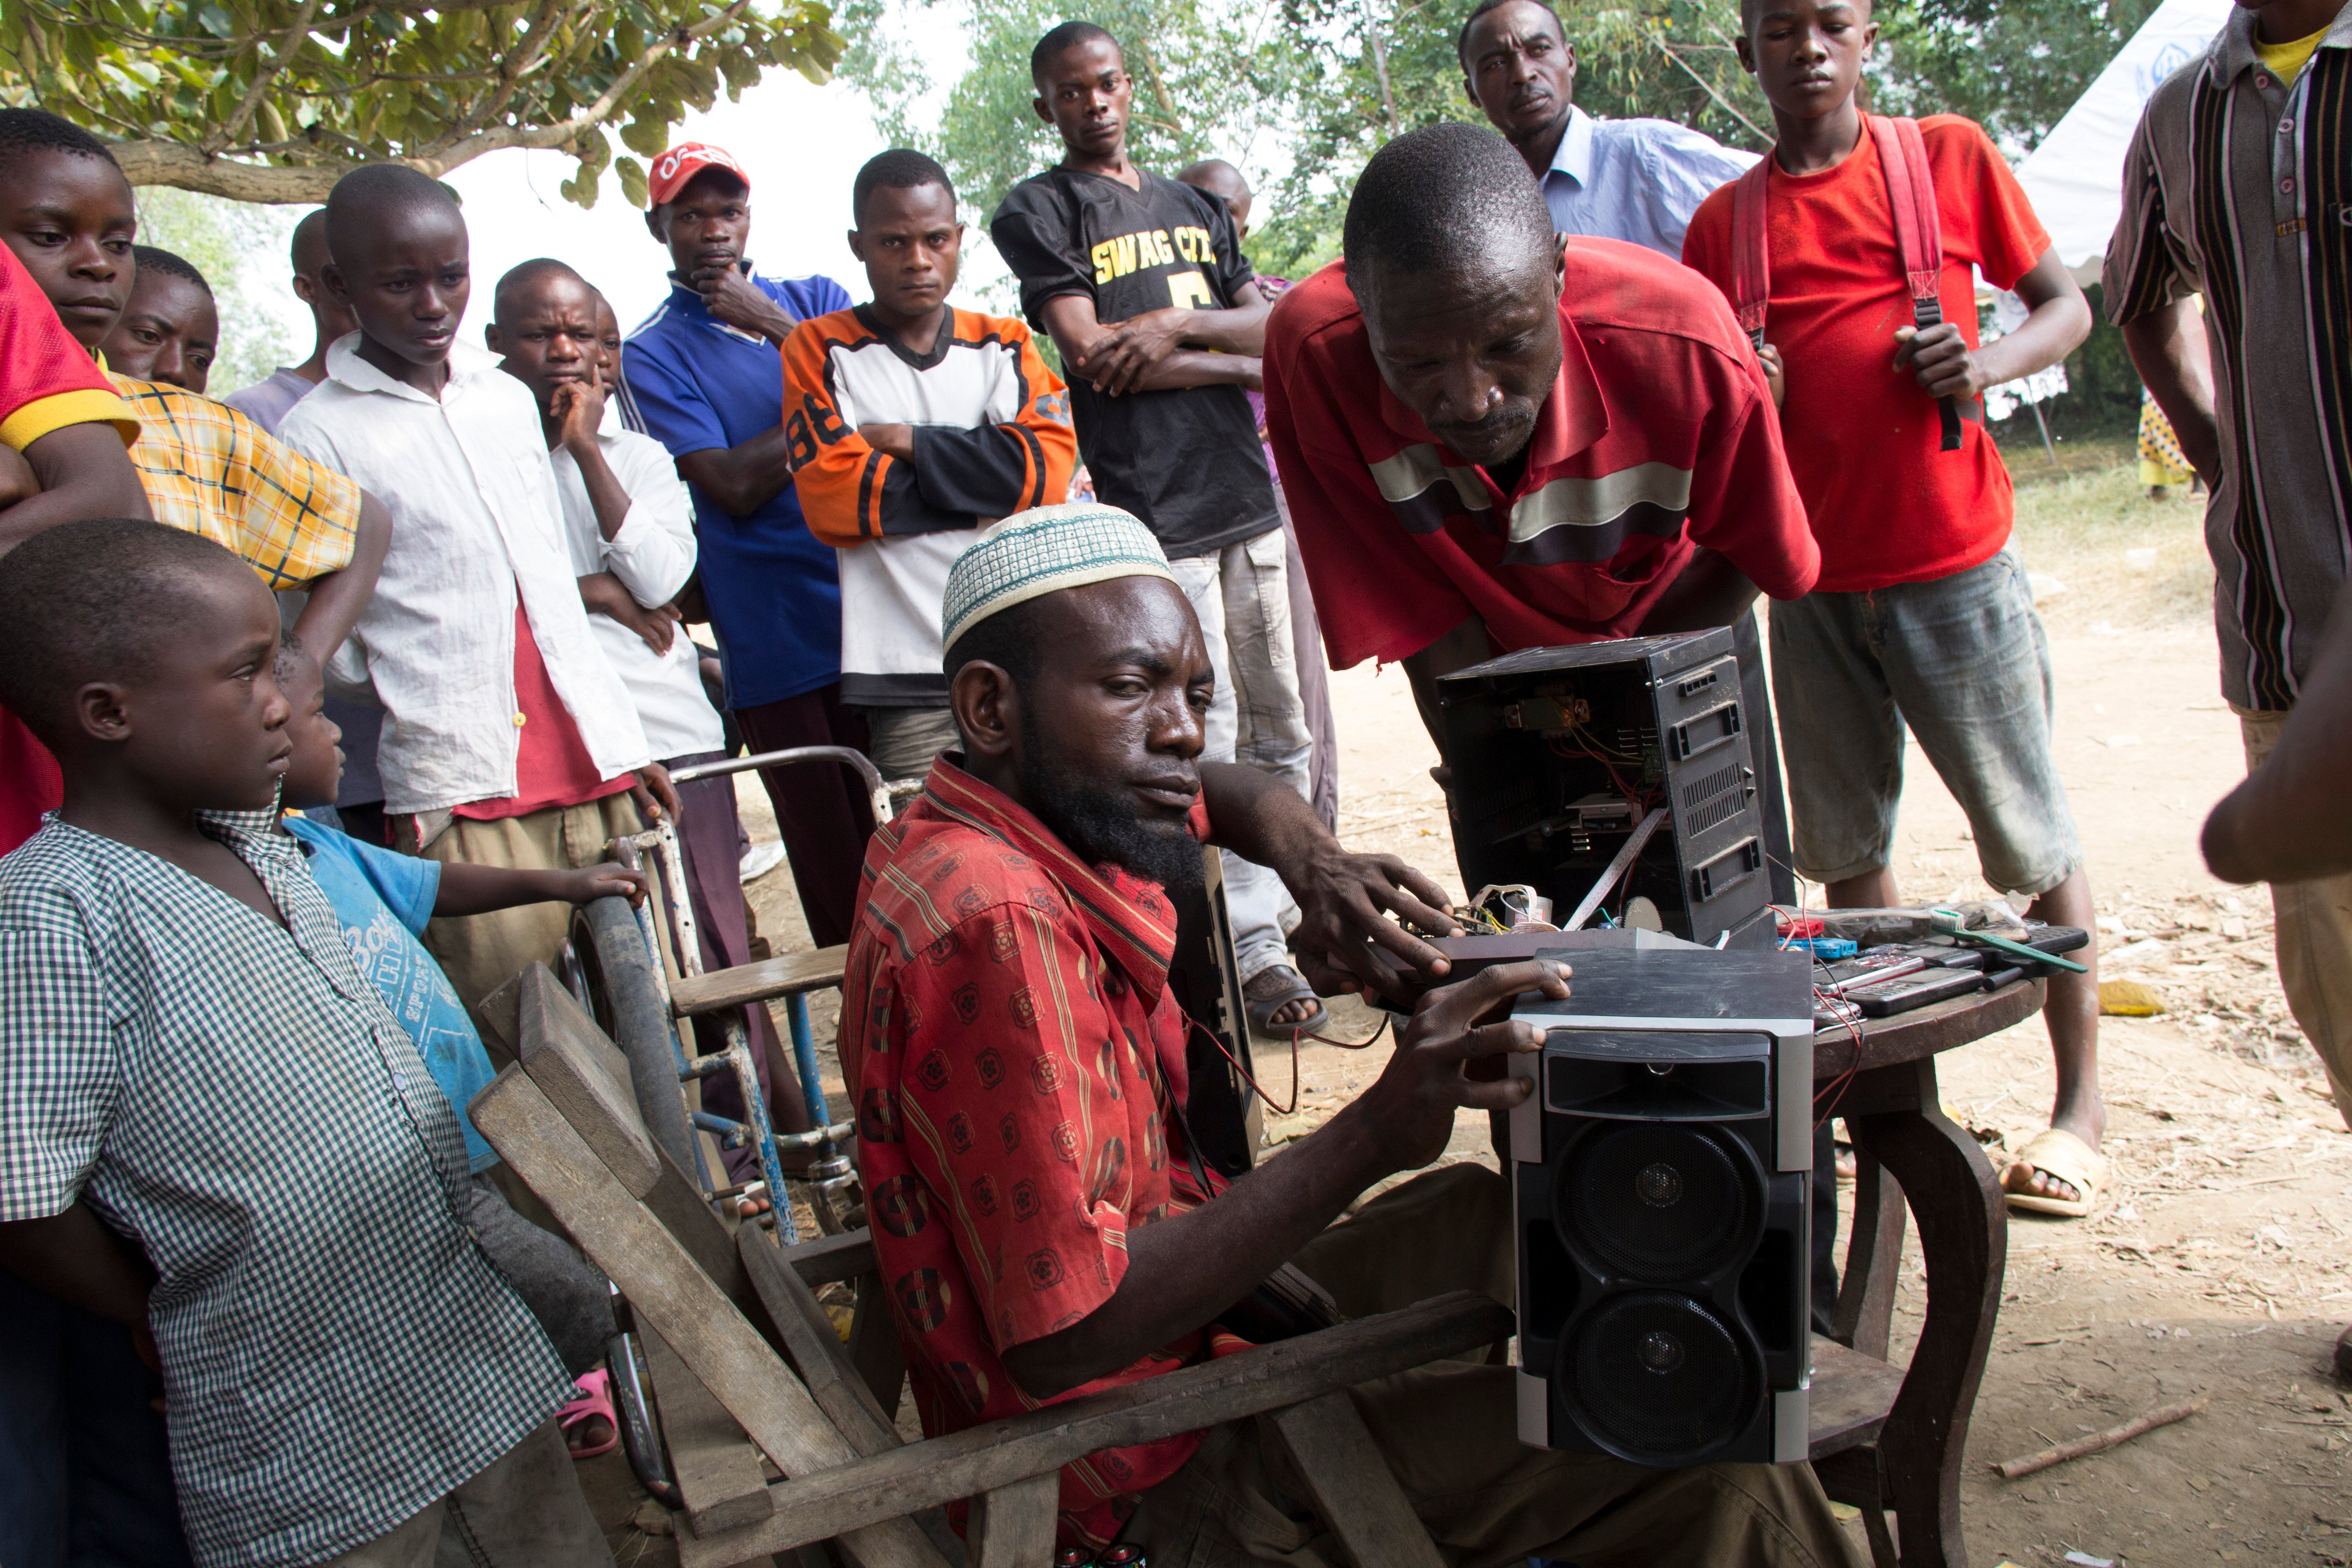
1872	969
1834	1011
1917	990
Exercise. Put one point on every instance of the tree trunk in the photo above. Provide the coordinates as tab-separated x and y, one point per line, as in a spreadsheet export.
1380	70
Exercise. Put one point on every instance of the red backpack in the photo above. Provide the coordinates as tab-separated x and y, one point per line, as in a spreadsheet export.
1918	236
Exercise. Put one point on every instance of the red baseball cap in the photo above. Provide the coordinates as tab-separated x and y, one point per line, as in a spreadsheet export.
674	168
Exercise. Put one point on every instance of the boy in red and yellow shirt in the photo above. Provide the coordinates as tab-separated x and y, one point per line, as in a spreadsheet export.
52	398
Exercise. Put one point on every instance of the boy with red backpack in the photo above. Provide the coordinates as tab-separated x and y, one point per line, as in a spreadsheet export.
1847	255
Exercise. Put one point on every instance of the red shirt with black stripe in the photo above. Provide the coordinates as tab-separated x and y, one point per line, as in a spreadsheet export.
1658	438
1014	1051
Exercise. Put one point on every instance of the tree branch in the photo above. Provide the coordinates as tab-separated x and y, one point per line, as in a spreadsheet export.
440	158
1159	87
177	163
1708	87
153	162
542	26
295	36
1381	70
560	51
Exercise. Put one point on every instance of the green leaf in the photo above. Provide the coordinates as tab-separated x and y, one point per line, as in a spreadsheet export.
632	181
646	135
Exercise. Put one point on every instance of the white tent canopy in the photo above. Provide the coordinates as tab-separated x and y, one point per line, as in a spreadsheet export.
2075	176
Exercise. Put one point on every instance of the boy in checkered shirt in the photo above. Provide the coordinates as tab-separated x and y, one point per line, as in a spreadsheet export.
344	1371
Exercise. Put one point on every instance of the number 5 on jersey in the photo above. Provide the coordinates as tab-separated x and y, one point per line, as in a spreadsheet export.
1189	291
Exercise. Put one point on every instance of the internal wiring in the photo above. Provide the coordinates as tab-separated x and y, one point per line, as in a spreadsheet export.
1638	797
1826	996
1481	915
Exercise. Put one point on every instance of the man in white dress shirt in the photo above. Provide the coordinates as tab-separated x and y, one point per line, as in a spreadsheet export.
628	522
1634	180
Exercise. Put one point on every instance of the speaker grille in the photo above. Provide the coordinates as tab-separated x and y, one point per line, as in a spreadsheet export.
1659	1378
1659	1203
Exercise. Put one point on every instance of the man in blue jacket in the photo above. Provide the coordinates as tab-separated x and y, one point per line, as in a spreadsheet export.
704	376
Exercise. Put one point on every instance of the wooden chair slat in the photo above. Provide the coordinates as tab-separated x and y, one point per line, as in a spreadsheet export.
1352	1486
1851	1396
980	1458
830	1257
666	1290
815	1349
786	974
718	1470
1011	1526
586	1077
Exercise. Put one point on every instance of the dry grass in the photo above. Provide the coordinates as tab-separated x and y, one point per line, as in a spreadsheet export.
2077	520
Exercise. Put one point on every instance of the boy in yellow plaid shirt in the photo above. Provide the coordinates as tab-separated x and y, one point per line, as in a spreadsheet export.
205	467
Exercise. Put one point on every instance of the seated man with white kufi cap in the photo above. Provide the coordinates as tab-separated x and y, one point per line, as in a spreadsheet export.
1017	1062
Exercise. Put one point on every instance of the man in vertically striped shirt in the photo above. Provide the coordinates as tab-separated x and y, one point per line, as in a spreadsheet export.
2238	187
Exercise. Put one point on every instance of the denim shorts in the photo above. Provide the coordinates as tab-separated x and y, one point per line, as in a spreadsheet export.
1963	661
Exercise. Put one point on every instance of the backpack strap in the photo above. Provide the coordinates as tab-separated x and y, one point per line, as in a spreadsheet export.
1751	263
1918	232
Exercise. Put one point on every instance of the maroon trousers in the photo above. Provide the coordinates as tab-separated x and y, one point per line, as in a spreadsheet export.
821	808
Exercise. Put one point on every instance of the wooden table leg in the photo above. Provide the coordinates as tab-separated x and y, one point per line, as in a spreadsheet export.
1873	1258
1955	1198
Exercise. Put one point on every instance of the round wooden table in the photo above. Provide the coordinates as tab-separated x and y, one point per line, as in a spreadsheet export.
1903	1455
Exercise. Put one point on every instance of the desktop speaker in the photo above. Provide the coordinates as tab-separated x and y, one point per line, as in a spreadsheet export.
1660	1183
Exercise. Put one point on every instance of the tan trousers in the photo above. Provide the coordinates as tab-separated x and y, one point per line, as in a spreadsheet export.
1449	1433
2314	940
525	1510
481	952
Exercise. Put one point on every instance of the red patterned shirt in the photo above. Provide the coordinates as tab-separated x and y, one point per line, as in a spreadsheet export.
1010	1047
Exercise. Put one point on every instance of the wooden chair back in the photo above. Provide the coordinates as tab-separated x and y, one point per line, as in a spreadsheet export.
737	1318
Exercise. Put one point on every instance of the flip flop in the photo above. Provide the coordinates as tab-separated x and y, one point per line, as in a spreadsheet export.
2057	1153
594	1401
1269	989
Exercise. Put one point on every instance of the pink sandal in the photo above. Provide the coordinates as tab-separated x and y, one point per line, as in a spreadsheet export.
596	1399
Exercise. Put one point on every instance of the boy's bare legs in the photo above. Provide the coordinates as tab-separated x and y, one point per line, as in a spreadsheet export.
2072	1011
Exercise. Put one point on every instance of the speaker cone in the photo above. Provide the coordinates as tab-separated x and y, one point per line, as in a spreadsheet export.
1658	1378
1659	1201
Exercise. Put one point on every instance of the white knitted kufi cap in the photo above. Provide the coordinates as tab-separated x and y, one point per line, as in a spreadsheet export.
1043	551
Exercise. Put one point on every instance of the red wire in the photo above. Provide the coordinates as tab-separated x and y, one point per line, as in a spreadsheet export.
1835	1092
1190	1022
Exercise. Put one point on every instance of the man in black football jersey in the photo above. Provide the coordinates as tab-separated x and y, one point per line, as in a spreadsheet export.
1141	284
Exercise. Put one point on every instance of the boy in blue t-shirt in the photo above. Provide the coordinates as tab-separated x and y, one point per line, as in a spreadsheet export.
384	898
381	900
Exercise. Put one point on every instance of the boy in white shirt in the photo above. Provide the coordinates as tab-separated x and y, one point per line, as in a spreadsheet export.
508	740
628	523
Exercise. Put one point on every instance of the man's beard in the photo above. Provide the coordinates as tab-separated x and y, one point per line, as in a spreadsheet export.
1101	825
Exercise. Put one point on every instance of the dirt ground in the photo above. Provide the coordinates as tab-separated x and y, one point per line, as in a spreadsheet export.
2217	1262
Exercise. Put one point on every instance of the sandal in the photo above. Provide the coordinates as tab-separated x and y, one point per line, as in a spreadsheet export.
594	1402
1269	990
2055	1151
